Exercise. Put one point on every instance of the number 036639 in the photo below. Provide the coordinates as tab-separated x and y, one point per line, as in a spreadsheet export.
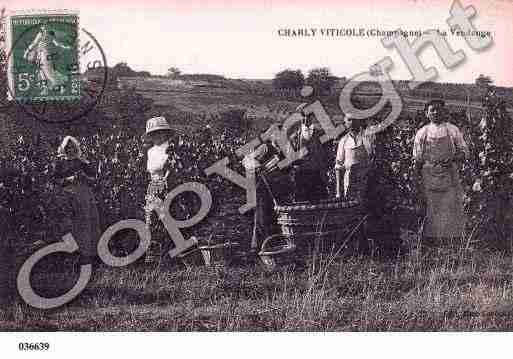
33	346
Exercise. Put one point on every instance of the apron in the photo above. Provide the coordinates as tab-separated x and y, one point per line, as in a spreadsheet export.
357	166
444	194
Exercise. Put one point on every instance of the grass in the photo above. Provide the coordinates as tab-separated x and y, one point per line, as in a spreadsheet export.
445	288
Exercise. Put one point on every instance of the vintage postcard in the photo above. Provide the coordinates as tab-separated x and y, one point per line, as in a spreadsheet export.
273	166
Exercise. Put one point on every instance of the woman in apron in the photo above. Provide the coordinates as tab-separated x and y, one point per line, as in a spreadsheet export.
157	135
75	173
438	147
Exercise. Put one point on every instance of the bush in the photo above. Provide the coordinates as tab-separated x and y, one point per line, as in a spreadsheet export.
288	79
321	80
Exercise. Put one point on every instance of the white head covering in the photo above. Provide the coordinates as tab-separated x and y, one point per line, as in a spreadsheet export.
61	151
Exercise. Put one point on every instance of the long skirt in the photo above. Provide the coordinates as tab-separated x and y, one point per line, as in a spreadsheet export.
445	217
264	220
85	226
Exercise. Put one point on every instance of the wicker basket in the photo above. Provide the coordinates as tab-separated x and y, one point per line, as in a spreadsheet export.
327	216
277	251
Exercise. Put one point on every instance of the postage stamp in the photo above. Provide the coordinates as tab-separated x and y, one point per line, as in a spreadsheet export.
57	71
43	63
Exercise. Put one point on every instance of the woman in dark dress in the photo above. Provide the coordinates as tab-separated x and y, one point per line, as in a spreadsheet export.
272	185
73	172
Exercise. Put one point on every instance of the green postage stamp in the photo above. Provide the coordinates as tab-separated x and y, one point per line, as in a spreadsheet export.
43	63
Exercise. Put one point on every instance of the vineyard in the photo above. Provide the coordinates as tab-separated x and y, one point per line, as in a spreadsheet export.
35	212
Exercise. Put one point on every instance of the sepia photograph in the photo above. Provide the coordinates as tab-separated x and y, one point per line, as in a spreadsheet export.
267	166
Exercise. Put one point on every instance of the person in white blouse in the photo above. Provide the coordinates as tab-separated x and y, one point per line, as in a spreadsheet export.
354	160
158	133
439	148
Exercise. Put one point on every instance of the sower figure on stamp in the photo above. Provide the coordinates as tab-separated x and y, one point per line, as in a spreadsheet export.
310	174
43	51
75	173
272	185
438	149
157	136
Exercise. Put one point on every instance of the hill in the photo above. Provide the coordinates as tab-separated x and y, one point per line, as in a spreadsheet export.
217	94
190	101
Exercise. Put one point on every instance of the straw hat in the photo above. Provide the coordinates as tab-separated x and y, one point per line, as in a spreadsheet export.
156	124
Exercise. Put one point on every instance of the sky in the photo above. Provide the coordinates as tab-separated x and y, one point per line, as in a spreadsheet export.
241	39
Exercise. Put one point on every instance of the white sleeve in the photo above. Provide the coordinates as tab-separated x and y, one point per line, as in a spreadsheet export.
418	144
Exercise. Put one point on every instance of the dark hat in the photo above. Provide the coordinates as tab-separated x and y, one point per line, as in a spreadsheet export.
434	102
350	115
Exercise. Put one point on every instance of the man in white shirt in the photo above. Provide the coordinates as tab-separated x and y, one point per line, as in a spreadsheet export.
358	178
355	157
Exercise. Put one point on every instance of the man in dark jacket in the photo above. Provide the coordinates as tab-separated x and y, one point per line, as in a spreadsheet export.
310	173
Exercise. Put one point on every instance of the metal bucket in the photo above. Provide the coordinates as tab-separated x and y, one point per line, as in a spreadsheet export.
278	254
192	258
218	254
209	255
